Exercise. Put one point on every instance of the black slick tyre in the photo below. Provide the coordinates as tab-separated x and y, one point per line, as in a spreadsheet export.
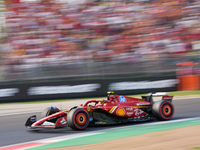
78	119
49	111
163	110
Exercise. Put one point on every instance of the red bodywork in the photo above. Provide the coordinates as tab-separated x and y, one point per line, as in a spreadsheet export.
116	105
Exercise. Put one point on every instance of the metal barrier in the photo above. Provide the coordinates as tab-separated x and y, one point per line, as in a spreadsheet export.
89	69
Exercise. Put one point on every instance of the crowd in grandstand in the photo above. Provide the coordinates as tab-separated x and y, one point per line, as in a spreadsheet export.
50	32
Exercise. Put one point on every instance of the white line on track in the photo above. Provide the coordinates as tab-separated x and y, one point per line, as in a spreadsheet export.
67	137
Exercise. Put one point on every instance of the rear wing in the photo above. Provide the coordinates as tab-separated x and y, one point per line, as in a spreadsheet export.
167	97
164	95
158	93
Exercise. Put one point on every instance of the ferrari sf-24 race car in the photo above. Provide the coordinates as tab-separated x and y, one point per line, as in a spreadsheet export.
116	109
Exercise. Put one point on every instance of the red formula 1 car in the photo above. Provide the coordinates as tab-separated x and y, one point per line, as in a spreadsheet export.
115	110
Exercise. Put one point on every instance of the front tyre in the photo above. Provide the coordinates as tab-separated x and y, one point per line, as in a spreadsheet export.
78	119
163	110
49	111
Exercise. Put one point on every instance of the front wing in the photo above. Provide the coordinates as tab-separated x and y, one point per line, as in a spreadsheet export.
53	121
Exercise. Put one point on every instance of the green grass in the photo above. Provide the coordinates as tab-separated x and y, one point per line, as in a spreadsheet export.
196	148
184	93
174	93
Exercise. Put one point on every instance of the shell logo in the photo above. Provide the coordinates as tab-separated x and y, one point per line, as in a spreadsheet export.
120	112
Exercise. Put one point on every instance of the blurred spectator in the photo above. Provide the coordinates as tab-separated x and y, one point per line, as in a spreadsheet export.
63	32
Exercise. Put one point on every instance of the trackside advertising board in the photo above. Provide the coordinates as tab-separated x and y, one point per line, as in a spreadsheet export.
64	89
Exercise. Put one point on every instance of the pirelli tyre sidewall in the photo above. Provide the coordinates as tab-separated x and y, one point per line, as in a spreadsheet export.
163	110
78	119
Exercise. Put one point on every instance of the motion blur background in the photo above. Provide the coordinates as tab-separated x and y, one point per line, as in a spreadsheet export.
48	39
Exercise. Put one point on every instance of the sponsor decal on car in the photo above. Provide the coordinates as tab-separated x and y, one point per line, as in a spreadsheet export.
46	123
141	104
129	109
122	99
138	112
121	111
129	113
100	122
33	119
91	119
112	110
63	121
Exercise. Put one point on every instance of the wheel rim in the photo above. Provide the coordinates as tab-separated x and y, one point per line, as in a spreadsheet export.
81	119
167	110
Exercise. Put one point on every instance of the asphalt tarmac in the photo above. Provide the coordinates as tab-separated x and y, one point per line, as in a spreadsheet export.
13	131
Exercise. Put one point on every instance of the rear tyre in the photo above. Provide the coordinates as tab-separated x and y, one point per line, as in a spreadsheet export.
163	110
49	111
78	119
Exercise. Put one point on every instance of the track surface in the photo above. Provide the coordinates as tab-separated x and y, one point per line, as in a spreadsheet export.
13	131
